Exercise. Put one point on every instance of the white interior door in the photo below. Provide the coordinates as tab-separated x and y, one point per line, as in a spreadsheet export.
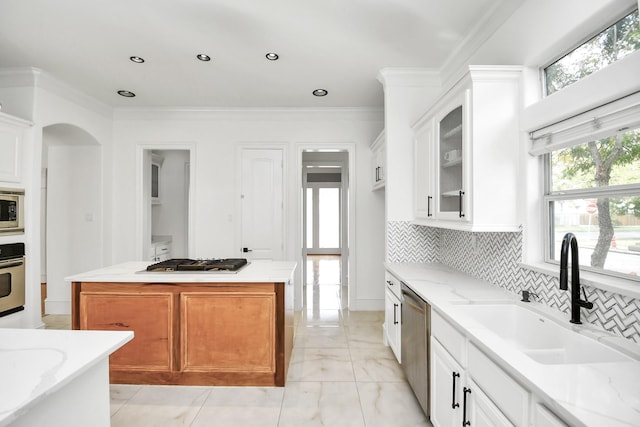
262	204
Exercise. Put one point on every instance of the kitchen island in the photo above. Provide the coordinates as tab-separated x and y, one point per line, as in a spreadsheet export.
192	328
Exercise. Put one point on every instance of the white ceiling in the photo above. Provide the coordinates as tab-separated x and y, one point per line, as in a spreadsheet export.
338	45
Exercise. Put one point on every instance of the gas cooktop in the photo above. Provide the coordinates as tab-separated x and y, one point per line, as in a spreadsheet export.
224	265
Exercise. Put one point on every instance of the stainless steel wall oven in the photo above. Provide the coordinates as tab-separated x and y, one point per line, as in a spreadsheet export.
12	283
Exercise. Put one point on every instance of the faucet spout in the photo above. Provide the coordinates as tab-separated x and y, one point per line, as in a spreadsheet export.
570	242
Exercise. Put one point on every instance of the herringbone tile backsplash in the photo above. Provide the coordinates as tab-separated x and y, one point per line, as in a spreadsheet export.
411	243
495	257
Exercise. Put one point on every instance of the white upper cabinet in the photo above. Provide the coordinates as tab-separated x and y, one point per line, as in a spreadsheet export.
378	162
449	159
466	148
423	201
12	130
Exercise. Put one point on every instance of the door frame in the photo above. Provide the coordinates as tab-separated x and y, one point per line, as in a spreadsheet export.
143	210
317	185
348	250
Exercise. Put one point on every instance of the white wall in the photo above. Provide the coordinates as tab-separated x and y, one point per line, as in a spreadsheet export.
216	135
74	216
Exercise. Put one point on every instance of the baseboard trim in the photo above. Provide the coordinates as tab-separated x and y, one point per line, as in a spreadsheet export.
57	307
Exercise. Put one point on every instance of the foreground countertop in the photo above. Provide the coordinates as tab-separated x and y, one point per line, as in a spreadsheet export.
34	363
595	394
260	271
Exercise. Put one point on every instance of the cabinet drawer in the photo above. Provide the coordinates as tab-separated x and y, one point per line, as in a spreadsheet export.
452	340
392	284
504	391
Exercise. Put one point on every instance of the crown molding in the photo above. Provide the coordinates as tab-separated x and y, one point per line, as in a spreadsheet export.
409	77
456	64
249	114
40	79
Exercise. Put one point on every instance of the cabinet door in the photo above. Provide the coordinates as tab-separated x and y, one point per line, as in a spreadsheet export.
378	167
451	159
228	331
480	410
424	174
11	139
447	381
392	315
378	161
149	316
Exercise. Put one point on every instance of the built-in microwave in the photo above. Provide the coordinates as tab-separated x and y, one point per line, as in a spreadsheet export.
11	210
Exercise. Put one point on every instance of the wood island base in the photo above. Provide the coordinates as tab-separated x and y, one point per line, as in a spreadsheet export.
231	334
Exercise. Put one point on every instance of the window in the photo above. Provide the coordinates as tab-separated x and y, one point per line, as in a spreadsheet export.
592	186
610	45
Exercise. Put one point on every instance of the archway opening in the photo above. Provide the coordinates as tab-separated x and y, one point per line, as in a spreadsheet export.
72	212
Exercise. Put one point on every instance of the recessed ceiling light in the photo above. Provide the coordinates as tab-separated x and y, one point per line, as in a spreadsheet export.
320	92
203	57
136	59
271	56
126	93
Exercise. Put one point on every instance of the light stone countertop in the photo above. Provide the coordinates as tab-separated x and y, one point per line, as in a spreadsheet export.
590	394
260	271
34	363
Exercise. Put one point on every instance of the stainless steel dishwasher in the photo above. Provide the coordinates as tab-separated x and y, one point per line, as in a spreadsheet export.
416	333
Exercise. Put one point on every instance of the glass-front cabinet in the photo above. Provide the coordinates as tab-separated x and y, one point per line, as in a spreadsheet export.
466	153
450	165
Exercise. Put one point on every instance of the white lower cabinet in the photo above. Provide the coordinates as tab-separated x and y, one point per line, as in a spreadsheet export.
480	410
512	398
469	389
447	380
160	252
456	399
392	315
392	320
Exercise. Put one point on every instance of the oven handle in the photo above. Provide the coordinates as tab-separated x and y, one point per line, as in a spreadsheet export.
10	263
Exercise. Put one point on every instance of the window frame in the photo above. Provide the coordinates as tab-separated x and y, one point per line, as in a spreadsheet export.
549	196
608	84
590	36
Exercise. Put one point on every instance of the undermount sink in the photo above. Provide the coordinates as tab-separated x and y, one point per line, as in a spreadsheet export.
540	338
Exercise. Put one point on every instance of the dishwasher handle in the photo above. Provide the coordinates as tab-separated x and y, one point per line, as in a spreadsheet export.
412	299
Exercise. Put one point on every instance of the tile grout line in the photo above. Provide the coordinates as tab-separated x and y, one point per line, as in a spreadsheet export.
204	401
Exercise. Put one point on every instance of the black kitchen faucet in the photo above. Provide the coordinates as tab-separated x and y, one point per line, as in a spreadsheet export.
570	240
